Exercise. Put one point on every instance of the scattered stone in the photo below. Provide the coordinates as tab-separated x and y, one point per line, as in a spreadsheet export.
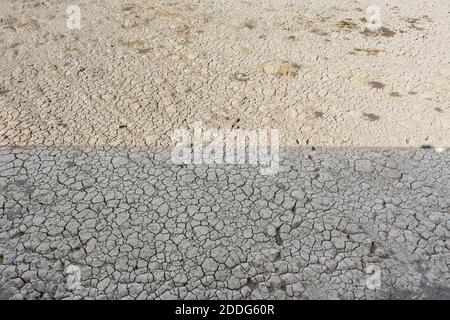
376	85
371	117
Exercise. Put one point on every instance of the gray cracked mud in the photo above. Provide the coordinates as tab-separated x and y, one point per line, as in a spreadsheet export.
140	227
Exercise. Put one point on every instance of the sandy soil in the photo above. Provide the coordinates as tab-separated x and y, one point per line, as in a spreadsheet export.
139	69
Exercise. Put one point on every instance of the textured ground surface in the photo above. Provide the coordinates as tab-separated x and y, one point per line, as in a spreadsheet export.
138	69
86	179
139	226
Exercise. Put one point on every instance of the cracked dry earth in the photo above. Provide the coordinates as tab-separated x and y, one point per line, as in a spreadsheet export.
86	177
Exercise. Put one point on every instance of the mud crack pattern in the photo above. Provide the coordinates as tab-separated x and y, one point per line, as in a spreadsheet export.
141	227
